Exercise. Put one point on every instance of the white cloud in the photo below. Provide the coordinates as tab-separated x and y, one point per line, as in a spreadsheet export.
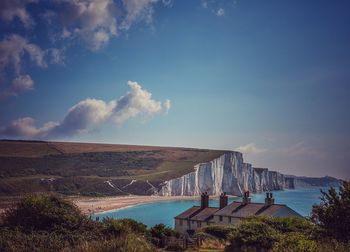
89	113
220	12
94	21
137	10
11	9
250	149
57	56
137	101
24	127
22	83
84	116
12	50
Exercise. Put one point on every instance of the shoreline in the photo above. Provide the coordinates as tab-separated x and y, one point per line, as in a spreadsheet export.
107	204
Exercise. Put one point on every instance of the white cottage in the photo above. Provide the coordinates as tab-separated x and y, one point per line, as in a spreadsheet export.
203	215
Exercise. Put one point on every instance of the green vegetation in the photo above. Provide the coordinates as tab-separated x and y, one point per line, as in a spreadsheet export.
47	223
333	214
83	169
272	234
328	230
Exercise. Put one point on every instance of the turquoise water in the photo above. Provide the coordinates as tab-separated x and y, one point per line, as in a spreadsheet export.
300	200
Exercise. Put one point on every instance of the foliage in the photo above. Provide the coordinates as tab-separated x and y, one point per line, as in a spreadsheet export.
48	223
44	213
128	243
160	230
112	227
254	233
274	234
297	242
332	214
220	232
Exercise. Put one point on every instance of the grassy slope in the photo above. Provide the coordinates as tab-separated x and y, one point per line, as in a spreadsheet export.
83	168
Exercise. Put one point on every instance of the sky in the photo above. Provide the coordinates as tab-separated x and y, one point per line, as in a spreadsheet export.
268	78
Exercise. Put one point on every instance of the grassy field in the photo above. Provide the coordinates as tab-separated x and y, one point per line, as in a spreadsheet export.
92	169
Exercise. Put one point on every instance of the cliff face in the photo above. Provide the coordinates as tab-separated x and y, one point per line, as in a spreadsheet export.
292	182
227	173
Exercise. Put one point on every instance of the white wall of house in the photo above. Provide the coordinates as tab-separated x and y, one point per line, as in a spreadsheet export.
182	226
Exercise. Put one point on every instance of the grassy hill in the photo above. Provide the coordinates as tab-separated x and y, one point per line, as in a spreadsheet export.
92	169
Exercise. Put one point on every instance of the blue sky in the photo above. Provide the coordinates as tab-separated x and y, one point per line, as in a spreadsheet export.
268	78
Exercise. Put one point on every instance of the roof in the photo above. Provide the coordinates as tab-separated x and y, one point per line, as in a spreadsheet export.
188	213
236	209
198	214
205	214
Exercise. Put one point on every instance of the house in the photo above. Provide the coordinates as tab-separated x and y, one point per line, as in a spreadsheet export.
204	215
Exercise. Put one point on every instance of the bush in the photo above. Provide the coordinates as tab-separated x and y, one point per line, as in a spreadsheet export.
332	214
160	230
253	233
289	224
44	213
112	227
296	242
128	243
48	223
220	232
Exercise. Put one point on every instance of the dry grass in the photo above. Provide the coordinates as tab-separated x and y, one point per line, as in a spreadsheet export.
25	163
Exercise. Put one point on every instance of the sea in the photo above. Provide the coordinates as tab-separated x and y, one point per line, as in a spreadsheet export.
301	200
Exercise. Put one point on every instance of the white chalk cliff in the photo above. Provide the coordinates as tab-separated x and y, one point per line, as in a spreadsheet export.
227	173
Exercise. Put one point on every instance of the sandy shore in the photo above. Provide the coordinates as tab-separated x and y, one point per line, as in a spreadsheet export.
88	205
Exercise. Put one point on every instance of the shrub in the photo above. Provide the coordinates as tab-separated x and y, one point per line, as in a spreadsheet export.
112	227
253	233
160	230
128	243
289	224
332	214
296	242
220	232
44	213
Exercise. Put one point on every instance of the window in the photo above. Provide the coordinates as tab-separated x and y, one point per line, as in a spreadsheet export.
180	222
229	219
220	218
199	224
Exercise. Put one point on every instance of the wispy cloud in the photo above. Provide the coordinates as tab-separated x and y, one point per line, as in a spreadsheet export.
220	12
90	113
250	148
13	50
93	21
302	149
12	9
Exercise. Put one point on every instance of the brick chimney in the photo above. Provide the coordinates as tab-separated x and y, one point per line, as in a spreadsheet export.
204	200
223	200
269	200
246	199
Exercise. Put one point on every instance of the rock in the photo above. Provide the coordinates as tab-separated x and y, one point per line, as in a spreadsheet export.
227	173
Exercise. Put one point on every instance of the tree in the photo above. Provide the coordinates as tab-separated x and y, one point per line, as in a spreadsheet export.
333	213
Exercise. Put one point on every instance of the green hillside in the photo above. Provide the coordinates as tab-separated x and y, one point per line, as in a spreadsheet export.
92	169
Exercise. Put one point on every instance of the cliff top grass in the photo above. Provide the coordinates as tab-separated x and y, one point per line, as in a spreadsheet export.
83	168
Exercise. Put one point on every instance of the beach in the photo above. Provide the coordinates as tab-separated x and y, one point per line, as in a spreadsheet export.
102	204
